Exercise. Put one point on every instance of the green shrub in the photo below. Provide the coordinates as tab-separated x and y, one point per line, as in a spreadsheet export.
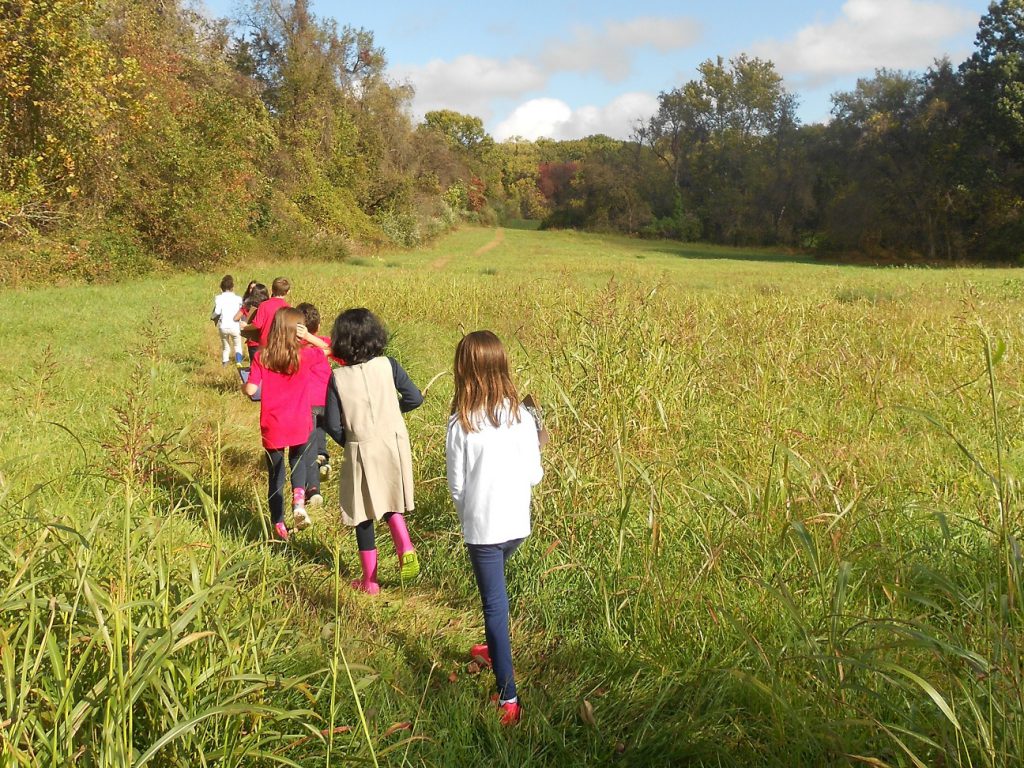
335	211
486	217
401	228
290	234
99	254
456	196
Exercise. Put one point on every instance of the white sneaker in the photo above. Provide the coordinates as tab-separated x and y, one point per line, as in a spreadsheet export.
316	500
301	518
325	470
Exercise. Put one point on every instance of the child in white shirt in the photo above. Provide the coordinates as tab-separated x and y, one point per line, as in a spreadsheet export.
225	307
493	461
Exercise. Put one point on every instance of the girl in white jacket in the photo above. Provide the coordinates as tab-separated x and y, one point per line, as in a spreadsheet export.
493	461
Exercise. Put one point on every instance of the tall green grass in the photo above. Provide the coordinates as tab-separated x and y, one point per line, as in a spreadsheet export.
780	523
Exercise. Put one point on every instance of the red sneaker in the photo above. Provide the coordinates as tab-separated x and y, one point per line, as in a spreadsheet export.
281	530
510	713
480	654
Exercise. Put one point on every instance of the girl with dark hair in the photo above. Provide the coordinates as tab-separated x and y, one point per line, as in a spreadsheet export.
284	370
254	295
365	402
492	454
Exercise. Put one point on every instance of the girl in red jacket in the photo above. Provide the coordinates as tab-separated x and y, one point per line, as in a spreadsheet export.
285	370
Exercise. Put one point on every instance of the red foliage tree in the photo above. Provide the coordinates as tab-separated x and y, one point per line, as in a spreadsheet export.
476	196
554	180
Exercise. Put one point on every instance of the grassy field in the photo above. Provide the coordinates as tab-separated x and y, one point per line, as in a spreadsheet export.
779	522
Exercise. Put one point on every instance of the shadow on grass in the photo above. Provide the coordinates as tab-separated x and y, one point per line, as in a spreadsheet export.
702	252
242	510
529	225
219	380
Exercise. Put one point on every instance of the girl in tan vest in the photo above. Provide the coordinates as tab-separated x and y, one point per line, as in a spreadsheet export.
366	398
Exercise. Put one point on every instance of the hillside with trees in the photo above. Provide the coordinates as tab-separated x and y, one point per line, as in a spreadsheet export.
135	133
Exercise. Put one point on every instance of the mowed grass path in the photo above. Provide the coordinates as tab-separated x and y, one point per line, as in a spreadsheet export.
757	542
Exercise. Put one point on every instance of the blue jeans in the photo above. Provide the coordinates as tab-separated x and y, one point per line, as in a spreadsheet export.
489	568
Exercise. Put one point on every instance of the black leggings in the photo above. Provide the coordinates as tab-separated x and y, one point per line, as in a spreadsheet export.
275	477
365	537
316	447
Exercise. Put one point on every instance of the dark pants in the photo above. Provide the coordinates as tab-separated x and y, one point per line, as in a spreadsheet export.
319	437
489	568
275	476
317	447
366	539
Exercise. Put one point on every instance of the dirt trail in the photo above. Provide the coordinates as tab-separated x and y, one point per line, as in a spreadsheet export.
499	237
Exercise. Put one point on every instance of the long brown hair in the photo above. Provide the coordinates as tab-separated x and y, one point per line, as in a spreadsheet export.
282	351
482	382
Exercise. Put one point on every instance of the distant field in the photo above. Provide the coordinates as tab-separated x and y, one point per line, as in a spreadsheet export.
779	524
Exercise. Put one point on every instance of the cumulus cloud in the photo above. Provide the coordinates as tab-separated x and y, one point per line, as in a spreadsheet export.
473	84
901	34
609	50
554	119
470	83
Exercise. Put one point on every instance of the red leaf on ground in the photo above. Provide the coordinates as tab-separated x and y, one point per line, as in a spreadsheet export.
404	726
339	729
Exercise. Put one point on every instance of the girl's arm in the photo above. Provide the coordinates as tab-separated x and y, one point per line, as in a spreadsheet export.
411	397
455	462
252	384
312	339
333	423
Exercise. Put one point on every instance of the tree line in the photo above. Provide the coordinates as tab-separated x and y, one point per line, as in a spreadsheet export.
911	166
133	130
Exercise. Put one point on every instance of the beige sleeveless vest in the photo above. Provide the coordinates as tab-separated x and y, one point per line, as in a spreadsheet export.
376	476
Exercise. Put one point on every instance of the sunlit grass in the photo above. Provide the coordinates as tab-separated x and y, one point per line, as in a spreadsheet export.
779	523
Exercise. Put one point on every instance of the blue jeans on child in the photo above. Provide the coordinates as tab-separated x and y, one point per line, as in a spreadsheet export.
489	568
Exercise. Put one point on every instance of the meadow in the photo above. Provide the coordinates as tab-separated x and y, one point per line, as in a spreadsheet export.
779	524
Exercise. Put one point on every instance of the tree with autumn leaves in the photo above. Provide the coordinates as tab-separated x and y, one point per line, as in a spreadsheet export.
134	129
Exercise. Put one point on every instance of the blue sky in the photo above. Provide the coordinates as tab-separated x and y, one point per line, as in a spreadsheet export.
570	69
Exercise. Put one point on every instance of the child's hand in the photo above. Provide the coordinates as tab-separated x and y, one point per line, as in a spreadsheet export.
301	332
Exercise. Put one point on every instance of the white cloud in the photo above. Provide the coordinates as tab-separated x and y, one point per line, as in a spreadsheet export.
472	84
469	83
610	50
554	119
900	34
533	119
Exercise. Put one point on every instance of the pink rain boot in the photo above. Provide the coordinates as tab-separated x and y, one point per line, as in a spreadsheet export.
368	584
407	557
